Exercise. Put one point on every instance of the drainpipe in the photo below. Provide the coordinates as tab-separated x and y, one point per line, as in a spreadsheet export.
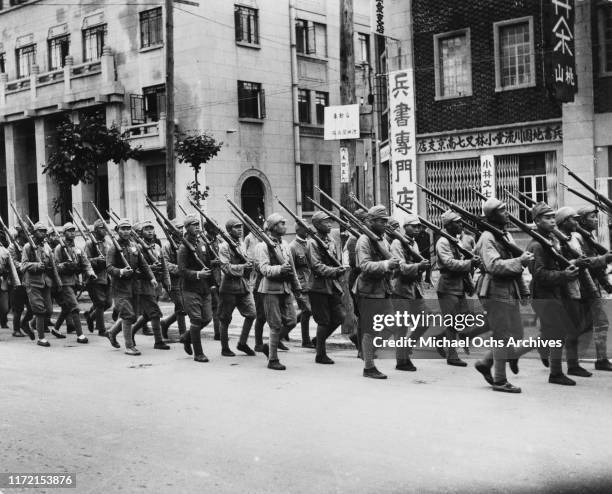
296	121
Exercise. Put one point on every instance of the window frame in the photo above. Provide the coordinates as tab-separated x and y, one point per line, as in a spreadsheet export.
2	62
497	54
50	47
261	105
302	92
155	197
602	12
147	17
158	92
97	28
316	100
18	58
309	39
438	79
363	36
239	9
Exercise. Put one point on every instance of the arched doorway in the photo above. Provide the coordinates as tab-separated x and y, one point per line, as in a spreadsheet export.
253	200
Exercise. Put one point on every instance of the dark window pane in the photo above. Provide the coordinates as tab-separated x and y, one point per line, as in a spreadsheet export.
156	182
307	183
304	105
151	32
246	24
94	39
325	183
250	100
322	100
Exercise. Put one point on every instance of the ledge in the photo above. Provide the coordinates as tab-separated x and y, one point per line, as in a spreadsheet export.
245	44
151	48
251	120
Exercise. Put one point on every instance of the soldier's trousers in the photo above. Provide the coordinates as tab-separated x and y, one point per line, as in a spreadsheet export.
596	320
280	315
303	302
246	307
555	325
100	296
328	312
454	305
19	300
67	300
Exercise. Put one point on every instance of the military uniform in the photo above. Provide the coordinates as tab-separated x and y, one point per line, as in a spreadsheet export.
5	277
18	297
176	288
215	281
100	289
299	251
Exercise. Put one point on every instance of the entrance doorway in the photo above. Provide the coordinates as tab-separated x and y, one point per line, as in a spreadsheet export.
252	199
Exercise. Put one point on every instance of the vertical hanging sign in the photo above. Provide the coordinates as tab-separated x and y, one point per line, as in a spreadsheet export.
560	48
402	142
487	176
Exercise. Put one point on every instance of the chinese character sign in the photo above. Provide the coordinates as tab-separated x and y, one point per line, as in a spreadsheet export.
344	166
487	176
341	122
402	140
379	16
561	62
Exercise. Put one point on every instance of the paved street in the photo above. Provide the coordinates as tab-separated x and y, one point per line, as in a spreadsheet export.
162	423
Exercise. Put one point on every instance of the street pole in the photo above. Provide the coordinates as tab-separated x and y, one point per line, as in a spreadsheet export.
347	89
170	168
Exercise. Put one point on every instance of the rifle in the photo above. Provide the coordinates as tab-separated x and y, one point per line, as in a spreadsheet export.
79	227
313	234
464	224
224	235
60	240
603	200
56	276
436	229
479	222
374	239
357	202
344	224
13	270
528	200
209	246
167	233
543	241
84	228
259	233
152	258
113	239
588	199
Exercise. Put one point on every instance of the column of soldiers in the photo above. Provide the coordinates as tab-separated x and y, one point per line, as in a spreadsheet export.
263	277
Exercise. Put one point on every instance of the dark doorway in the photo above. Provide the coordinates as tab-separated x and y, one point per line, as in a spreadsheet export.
252	198
102	202
33	201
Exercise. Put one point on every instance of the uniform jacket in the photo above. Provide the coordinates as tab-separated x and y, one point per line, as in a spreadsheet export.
299	252
16	255
324	277
453	269
96	252
349	258
69	275
406	281
235	276
502	274
598	266
272	281
171	260
548	280
34	277
160	271
190	267
589	288
214	246
5	269
126	287
374	278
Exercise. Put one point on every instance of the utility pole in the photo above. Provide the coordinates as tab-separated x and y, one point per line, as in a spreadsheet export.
170	168
347	88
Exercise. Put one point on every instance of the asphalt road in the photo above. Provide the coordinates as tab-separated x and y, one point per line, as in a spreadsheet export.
162	423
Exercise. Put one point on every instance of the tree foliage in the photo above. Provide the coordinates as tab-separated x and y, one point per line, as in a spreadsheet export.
196	149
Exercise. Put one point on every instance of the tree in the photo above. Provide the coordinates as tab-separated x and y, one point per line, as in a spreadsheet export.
79	151
196	149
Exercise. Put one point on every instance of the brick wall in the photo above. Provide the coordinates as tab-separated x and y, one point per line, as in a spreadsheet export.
485	107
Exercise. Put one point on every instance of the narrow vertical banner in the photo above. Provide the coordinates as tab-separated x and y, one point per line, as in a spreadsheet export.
560	64
487	175
345	176
402	141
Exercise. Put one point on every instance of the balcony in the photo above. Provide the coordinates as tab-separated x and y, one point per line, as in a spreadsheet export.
61	89
149	136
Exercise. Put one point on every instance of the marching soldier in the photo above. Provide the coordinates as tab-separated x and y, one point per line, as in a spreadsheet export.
373	290
501	290
17	294
124	284
299	252
455	280
197	277
99	289
38	282
234	290
148	295
176	282
279	283
551	291
597	320
325	290
71	263
213	246
5	281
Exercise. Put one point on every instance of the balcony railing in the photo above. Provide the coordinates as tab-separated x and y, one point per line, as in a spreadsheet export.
148	136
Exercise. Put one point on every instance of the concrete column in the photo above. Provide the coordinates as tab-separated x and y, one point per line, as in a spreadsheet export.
68	96
116	172
46	194
3	81
578	117
11	193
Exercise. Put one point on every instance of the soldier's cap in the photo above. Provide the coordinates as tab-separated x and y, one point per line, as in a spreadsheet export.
123	222
565	213
492	204
539	209
412	219
68	226
178	224
361	214
377	212
40	226
146	224
319	217
98	224
449	216
274	219
393	224
190	219
18	228
231	223
586	210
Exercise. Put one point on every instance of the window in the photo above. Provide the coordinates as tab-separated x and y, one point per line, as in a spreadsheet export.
156	182
362	49
154	102
304	105
321	101
94	39
514	54
311	38
151	32
307	181
453	71
605	39
325	184
251	100
532	179
59	49
247	24
26	58
2	63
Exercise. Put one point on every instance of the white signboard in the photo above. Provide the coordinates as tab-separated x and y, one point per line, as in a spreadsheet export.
344	166
487	175
402	141
341	122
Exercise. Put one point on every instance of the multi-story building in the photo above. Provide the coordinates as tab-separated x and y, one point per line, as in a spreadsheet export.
255	74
